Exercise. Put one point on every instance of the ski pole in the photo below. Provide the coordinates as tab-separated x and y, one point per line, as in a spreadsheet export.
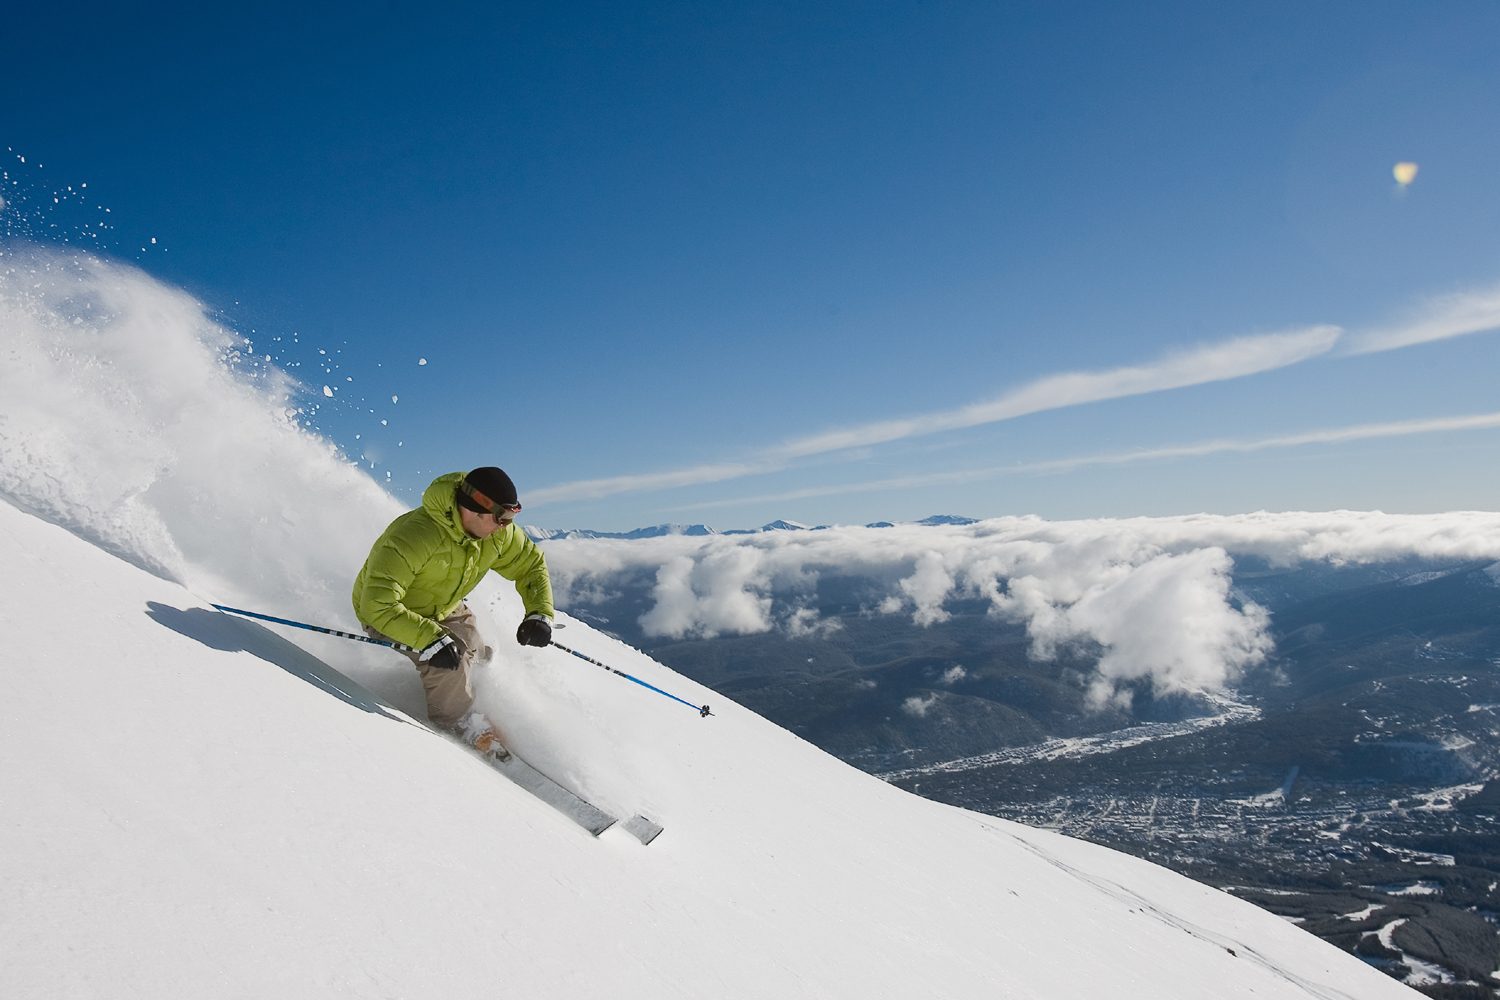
702	710
318	628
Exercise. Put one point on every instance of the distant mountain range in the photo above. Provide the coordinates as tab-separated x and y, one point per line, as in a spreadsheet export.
698	530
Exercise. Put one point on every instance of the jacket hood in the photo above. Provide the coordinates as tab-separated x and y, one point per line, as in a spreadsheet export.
439	501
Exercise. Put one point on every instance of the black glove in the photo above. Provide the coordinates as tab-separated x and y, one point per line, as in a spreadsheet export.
536	630
447	653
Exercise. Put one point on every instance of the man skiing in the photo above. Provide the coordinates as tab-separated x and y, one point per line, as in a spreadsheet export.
412	587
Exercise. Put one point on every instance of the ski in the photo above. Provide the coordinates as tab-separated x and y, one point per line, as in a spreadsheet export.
570	804
584	813
641	828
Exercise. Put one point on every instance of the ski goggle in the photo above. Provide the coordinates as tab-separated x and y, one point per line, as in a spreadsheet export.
502	511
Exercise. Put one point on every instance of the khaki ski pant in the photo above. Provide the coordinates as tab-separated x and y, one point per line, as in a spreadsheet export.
450	693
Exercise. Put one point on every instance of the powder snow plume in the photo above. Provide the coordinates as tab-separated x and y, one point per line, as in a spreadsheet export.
131	418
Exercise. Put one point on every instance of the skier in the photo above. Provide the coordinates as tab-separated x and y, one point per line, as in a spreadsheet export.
412	587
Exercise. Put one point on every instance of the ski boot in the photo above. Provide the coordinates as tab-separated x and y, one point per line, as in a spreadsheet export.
480	733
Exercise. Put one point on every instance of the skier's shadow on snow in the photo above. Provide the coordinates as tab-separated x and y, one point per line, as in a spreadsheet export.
220	631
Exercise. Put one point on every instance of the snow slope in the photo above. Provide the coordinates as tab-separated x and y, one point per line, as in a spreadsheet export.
194	806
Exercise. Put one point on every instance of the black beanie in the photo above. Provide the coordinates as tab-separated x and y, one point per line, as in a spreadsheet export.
493	483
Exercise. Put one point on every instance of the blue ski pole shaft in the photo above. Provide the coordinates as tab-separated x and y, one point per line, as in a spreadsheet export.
318	628
702	710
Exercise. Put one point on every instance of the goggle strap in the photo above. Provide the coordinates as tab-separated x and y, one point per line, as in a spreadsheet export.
499	510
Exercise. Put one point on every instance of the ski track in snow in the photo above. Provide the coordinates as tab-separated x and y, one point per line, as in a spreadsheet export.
1132	898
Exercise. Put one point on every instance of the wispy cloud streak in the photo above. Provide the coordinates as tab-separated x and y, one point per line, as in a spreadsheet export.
594	489
1337	435
1333	435
1231	359
1211	363
1443	319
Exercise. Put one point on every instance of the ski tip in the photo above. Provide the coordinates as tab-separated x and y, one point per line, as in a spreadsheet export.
642	829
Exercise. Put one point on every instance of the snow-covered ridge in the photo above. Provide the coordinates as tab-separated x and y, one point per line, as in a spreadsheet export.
294	834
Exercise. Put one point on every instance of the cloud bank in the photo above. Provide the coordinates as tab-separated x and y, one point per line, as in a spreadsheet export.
1150	599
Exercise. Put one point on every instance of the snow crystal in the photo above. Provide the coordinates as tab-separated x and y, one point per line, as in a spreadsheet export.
327	391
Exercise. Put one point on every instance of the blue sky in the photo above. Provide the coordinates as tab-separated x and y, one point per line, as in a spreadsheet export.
654	254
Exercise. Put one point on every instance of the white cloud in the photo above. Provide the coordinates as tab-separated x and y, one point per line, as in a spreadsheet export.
1331	435
1167	620
917	707
1150	597
805	623
721	592
674	614
593	489
1439	319
928	587
1209	363
953	675
1230	359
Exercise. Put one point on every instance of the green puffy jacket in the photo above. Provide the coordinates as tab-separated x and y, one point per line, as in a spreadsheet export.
425	564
